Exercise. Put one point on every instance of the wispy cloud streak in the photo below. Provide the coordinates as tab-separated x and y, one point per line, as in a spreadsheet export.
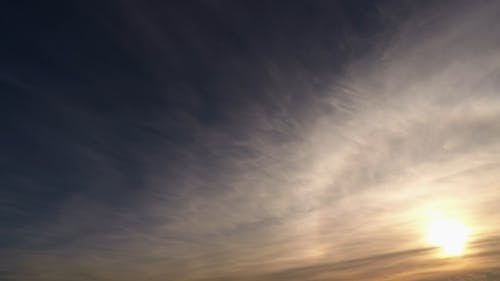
335	187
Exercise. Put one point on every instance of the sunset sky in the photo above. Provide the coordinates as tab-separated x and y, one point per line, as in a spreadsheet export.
220	140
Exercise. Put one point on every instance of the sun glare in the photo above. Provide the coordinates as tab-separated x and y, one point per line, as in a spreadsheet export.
448	234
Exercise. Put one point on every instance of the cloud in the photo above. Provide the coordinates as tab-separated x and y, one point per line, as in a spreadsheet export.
336	185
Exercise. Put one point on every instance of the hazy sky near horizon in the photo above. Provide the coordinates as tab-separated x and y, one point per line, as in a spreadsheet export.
248	140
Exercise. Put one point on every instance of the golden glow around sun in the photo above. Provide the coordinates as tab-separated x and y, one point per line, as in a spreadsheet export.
448	234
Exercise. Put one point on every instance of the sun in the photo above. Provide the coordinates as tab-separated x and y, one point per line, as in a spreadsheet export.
448	234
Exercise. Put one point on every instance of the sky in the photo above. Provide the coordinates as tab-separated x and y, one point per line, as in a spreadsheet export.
250	140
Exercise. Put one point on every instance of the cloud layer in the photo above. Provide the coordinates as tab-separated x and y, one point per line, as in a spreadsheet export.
323	176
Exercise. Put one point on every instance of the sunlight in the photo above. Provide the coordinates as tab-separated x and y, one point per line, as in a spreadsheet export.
449	234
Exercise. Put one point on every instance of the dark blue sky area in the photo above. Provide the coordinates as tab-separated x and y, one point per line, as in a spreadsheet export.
83	78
